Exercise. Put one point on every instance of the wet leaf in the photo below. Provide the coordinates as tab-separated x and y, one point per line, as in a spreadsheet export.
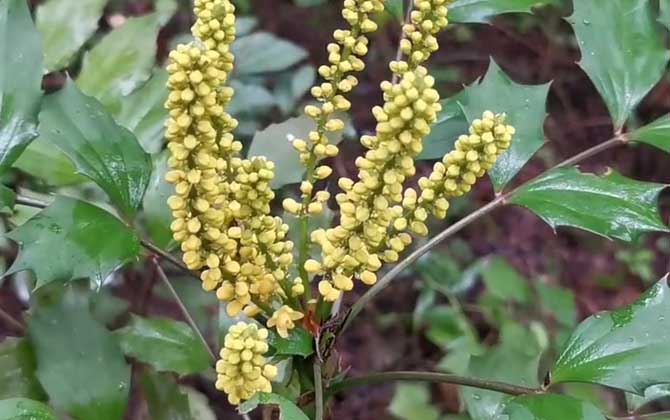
165	400
25	409
43	159
17	371
482	11
287	409
550	407
157	215
656	133
299	343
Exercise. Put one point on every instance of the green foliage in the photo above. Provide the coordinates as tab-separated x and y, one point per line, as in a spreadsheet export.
156	215
65	26
253	56
164	344
656	133
103	151
25	409
68	234
288	410
79	363
482	11
412	401
622	51
20	80
550	407
164	398
7	200
504	282
299	343
17	371
610	205
43	160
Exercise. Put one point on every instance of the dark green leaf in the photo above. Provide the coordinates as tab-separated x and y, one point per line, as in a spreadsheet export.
450	124
79	362
525	107
157	215
164	398
288	410
7	200
72	239
299	343
656	134
559	302
121	61
504	282
626	348
25	409
42	159
102	150
610	205
252	55
622	51
20	80
550	407
412	401
65	26
17	371
481	11
164	344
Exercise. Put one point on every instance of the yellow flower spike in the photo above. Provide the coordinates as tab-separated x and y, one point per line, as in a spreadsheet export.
282	320
242	370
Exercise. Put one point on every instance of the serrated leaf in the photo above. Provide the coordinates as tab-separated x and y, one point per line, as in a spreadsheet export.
504	282
157	216
525	106
79	363
102	150
20	80
7	200
287	409
656	133
65	26
450	124
298	343
25	409
166	345
610	205
121	61
412	401
72	239
625	348
17	371
165	400
42	159
252	55
482	11
622	51
275	144
143	112
550	407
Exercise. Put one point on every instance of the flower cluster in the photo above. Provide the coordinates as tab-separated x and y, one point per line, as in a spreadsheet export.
243	370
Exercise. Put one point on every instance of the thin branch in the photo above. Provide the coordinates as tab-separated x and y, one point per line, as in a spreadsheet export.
499	201
30	202
382	377
318	391
398	53
183	309
11	321
168	257
641	416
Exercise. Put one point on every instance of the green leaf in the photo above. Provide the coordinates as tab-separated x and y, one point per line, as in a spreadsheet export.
143	112
656	134
17	370
25	409
165	9
482	11
622	51
72	239
275	144
412	401
65	26
395	8
550	407
558	301
525	107
664	17
656	392
288	410
103	151
292	86
610	205
165	400
447	324
625	349
20	80
7	200
121	61
299	343
504	282
79	362
166	345
157	215
252	55
42	159
515	361
250	99
450	124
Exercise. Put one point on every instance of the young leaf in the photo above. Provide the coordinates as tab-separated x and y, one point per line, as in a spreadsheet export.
610	205
656	133
482	11
121	61
79	363
625	348
252	55
288	410
164	344
550	407
525	107
72	239
157	215
299	343
165	400
17	371
622	51
7	200
412	401
103	151
65	26
20	80
25	409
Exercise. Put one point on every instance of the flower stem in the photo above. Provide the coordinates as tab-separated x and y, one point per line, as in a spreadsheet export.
318	391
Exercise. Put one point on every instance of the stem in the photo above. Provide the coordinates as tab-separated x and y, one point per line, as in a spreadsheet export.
30	202
183	309
499	201
11	321
318	391
398	53
381	377
641	416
